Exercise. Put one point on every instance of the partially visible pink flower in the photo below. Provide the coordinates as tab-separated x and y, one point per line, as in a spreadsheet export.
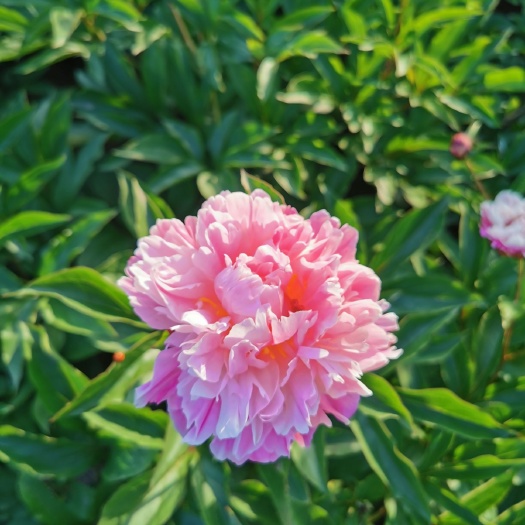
273	322
503	223
460	145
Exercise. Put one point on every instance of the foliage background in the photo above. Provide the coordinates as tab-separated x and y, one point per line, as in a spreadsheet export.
115	113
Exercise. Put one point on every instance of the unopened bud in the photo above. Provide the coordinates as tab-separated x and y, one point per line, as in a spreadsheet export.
118	357
460	145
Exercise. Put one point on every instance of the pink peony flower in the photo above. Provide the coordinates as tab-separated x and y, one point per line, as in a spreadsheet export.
272	319
503	223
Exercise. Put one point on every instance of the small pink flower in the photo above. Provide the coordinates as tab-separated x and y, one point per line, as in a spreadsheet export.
273	322
460	145
503	223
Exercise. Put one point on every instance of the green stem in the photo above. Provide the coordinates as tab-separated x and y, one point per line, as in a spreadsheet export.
186	36
517	297
478	183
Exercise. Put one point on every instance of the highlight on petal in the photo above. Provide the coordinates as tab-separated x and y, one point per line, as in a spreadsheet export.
273	322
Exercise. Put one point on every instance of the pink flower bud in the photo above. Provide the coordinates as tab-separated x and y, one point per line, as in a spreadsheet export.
460	145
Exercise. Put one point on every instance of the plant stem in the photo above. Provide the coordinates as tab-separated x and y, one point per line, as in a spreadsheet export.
477	182
183	30
517	297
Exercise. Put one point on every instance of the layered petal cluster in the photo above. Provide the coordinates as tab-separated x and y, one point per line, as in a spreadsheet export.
272	323
503	223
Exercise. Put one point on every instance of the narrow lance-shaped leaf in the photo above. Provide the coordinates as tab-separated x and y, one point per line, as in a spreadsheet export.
167	487
69	244
209	487
311	461
83	289
386	394
487	348
44	504
55	380
482	498
30	223
442	407
415	231
250	183
394	469
45	455
88	398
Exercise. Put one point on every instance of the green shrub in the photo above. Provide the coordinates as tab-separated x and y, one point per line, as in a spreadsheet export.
116	113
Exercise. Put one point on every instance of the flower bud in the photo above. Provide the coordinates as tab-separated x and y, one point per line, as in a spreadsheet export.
460	145
118	357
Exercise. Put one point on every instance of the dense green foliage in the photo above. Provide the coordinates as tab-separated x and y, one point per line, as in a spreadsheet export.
115	113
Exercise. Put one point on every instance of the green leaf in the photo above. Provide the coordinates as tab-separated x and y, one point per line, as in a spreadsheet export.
311	461
60	316
12	126
310	45
413	232
301	18
427	293
511	79
481	498
277	483
139	210
45	455
15	344
44	504
12	20
118	505
30	223
167	487
514	515
208	483
403	144
142	427
320	153
394	469
156	148
442	407
449	501
434	17
72	242
473	248
101	387
77	169
416	330
56	126
63	23
210	184
250	183
172	175
8	281
127	459
479	468
487	348
56	381
384	393
31	182
85	290
267	79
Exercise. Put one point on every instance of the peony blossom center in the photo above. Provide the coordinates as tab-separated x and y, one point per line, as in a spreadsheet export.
294	292
215	306
277	352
